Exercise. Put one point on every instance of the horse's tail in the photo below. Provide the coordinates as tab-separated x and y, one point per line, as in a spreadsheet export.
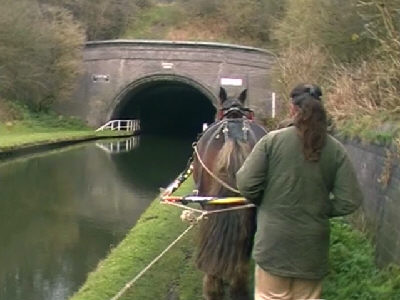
225	239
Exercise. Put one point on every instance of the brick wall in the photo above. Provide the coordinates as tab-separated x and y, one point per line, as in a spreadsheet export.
381	205
122	66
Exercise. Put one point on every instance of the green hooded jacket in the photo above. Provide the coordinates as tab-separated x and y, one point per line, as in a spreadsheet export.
295	199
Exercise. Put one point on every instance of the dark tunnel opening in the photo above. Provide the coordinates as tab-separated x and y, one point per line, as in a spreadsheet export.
167	108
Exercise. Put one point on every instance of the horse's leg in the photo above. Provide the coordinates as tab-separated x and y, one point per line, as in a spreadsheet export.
213	287
238	285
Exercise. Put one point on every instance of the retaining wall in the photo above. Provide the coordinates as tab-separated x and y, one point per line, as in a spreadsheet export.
381	207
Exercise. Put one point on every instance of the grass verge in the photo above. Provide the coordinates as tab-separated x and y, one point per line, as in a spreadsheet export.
353	272
24	140
155	230
21	127
379	128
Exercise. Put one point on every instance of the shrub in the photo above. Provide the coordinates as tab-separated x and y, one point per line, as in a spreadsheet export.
203	8
40	51
247	21
368	93
296	66
8	112
353	272
361	77
102	19
366	89
334	25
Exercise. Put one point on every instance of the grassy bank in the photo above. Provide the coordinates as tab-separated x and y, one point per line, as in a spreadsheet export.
21	128
353	273
23	140
155	230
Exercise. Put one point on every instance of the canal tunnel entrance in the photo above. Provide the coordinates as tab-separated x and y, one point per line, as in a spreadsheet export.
166	107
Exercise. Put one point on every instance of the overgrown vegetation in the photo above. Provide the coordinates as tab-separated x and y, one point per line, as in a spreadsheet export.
17	115
40	51
102	19
354	274
41	44
352	50
155	22
239	21
335	26
245	21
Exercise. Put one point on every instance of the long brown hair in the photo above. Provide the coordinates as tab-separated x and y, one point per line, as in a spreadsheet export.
311	120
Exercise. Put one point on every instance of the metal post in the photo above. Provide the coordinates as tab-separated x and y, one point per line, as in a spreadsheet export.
273	105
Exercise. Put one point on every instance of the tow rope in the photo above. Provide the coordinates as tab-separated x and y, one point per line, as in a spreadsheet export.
205	199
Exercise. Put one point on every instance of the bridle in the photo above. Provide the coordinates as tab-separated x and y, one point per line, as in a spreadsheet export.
243	111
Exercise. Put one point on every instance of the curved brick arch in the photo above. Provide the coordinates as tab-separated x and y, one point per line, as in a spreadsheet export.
112	68
153	78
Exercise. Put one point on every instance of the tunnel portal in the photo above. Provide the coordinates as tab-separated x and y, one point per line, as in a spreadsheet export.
166	107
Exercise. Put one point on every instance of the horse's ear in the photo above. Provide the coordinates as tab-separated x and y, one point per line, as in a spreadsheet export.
243	96
222	95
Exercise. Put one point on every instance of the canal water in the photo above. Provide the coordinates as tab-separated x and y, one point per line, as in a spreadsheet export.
62	211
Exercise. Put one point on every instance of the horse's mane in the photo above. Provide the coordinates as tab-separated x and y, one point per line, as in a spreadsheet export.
228	161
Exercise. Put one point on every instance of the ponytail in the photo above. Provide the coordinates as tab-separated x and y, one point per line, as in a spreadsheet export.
311	121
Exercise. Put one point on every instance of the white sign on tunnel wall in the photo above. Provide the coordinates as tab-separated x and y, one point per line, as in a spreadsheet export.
231	81
100	78
167	65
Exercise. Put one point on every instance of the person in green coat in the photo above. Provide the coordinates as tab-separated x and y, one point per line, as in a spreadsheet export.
298	177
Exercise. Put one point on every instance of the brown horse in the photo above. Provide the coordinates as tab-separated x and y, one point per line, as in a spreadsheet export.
225	239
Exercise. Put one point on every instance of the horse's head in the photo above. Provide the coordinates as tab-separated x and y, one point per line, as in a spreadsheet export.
233	107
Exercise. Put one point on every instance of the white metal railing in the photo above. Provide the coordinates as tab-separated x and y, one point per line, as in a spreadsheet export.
126	125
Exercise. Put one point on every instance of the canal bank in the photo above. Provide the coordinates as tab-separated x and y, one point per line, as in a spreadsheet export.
18	145
25	131
158	226
353	272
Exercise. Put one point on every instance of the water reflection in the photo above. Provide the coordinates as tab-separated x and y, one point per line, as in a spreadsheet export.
61	213
119	146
